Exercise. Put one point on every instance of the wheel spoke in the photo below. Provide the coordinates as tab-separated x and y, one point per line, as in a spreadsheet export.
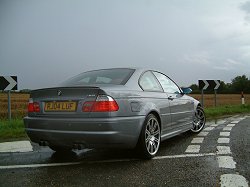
157	140
156	133
154	146
147	139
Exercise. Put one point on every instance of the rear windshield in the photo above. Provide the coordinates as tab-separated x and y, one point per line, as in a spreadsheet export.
118	76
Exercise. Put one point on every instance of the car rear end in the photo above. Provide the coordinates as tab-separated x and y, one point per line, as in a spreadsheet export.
82	116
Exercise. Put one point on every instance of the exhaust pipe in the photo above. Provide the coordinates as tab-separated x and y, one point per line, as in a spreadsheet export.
75	146
43	143
78	146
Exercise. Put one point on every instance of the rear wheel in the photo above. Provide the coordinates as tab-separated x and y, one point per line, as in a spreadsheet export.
199	120
150	137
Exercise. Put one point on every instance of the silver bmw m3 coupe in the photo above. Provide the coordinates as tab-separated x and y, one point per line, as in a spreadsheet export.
129	108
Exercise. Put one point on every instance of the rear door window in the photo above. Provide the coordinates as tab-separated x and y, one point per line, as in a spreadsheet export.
148	82
167	84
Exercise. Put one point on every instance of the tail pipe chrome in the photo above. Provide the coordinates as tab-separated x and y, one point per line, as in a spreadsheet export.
43	143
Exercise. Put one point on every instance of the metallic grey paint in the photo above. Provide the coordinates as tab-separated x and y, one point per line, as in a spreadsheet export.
120	129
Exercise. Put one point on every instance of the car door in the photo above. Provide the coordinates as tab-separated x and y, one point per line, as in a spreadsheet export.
181	108
156	98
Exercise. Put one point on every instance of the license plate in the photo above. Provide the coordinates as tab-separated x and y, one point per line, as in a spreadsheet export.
65	106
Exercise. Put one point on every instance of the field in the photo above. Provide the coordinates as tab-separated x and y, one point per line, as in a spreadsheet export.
222	99
19	102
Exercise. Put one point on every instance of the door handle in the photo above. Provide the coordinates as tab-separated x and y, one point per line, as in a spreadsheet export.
170	98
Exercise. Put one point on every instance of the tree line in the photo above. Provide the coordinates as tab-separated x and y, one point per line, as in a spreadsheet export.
236	86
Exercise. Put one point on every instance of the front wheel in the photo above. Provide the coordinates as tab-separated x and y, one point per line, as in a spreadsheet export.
199	120
150	137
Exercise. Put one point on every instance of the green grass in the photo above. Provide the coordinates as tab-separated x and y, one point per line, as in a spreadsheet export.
221	111
12	130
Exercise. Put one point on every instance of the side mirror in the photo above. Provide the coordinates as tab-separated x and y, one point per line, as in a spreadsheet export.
186	90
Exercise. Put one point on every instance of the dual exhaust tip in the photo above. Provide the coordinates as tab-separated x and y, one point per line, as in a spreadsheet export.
43	143
75	146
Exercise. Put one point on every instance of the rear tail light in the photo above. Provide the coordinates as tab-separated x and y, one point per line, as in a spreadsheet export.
33	106
103	103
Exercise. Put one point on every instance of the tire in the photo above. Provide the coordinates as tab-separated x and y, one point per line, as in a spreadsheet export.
60	148
150	137
199	120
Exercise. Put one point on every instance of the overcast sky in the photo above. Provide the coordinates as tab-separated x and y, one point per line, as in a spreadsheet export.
45	42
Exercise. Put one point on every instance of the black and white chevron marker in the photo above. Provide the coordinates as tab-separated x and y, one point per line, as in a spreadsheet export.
8	83
209	84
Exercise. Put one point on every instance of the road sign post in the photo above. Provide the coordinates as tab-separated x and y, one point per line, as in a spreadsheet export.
242	98
202	98
215	98
206	85
8	83
9	106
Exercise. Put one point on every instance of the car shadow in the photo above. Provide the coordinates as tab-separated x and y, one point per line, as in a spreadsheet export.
174	145
69	156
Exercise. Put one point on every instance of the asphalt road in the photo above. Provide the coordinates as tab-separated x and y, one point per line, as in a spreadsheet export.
219	156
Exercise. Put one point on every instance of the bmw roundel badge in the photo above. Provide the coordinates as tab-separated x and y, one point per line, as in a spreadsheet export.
59	92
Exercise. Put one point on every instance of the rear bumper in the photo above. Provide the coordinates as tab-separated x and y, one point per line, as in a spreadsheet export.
118	132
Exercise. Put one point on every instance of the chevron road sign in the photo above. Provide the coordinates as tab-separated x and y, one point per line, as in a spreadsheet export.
8	83
209	84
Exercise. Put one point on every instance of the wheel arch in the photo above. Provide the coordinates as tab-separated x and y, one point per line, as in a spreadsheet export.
157	115
141	147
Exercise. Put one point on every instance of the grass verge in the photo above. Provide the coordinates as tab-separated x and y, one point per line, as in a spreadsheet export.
216	112
12	130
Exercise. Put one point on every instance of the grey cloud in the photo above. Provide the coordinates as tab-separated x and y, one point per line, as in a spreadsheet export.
45	42
246	7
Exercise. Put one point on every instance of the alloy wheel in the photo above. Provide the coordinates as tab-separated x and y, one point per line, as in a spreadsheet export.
152	136
199	120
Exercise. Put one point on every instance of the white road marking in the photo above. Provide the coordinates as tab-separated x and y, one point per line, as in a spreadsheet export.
203	134
228	180
226	162
184	156
39	165
214	125
235	121
104	161
197	140
208	128
225	134
17	146
222	150
233	180
193	149
223	140
242	118
221	122
227	128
